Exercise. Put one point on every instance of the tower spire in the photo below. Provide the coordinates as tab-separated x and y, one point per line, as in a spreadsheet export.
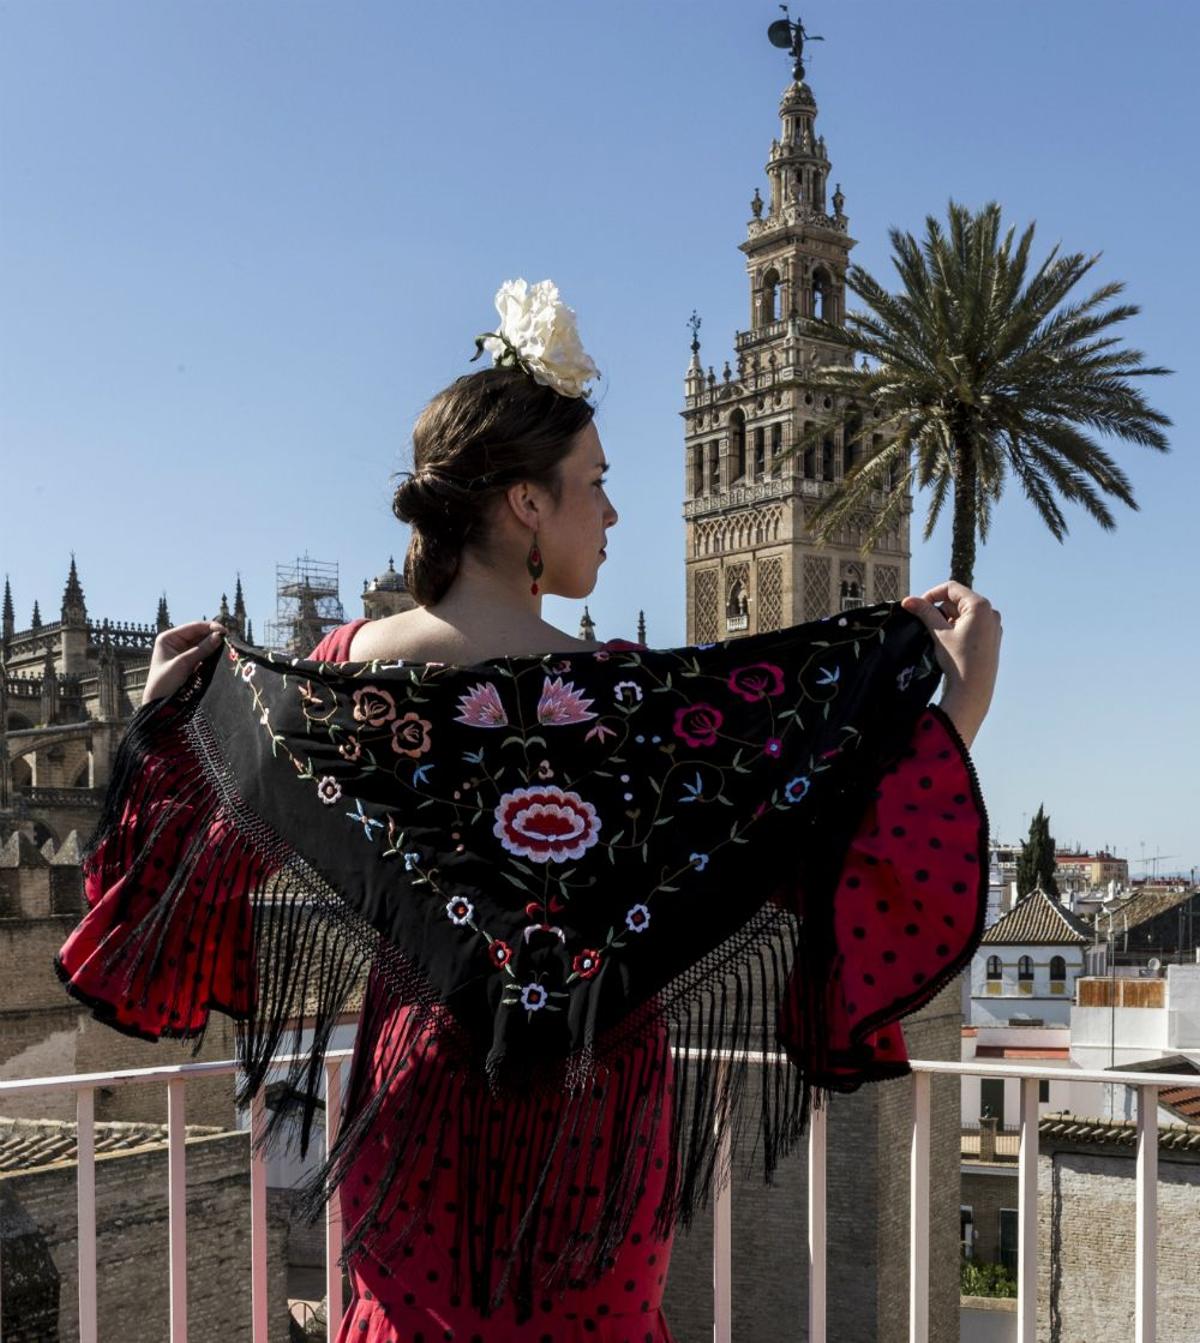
163	620
10	623
74	608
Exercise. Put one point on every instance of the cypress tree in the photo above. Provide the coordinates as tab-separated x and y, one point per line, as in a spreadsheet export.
1035	866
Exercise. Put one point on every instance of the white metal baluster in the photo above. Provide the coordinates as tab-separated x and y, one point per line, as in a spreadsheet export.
918	1221
258	1221
333	1211
177	1207
722	1226
85	1205
817	1132
1146	1270
1027	1225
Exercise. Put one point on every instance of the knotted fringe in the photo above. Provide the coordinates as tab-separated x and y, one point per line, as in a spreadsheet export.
548	1169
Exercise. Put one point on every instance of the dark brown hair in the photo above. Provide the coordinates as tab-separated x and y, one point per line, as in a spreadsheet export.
485	432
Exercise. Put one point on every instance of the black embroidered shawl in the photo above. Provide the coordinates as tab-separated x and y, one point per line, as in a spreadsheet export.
564	864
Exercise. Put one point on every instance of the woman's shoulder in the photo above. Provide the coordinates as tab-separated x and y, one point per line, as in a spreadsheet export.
335	646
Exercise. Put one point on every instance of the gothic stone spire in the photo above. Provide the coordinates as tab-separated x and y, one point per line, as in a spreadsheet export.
163	619
10	623
74	608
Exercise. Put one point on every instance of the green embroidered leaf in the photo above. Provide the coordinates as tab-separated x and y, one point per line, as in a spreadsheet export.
516	881
666	888
825	710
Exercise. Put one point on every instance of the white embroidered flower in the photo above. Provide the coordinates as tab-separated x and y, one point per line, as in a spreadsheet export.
635	695
459	910
535	321
533	997
248	669
637	918
329	790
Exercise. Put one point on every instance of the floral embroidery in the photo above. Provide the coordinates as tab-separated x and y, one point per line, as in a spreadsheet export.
364	820
757	681
350	750
699	861
600	731
499	953
373	706
545	770
697	724
633	697
481	707
772	747
798	788
637	919
533	997
460	910
248	669
904	678
410	735
546	824
828	677
562	705
329	790
587	963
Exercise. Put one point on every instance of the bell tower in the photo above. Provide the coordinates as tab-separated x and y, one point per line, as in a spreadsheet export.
751	562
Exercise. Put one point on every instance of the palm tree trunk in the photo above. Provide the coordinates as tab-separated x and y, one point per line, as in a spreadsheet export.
962	543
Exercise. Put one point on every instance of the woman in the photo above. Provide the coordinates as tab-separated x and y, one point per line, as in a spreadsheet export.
470	1213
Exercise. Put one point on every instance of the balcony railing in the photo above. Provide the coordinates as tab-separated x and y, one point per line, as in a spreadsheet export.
176	1078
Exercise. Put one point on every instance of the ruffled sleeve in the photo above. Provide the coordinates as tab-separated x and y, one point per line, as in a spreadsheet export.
907	912
151	959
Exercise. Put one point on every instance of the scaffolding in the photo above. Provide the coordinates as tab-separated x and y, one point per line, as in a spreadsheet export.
307	606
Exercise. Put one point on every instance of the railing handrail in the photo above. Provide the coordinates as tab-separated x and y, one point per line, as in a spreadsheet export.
960	1068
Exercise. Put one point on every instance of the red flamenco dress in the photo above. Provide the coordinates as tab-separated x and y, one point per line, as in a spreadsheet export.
908	911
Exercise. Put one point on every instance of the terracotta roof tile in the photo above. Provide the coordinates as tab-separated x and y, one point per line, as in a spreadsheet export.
28	1143
1037	919
1069	1128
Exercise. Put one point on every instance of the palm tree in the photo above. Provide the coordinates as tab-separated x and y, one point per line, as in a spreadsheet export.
976	369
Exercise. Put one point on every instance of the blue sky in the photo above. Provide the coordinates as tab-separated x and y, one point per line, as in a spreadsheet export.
242	242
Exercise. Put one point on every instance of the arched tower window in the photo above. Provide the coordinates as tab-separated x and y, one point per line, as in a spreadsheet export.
770	296
822	288
760	453
776	443
827	459
994	969
851	441
1058	969
698	471
737	447
852	592
714	467
1025	968
810	455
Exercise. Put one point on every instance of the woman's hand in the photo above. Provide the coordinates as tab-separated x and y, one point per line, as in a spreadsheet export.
966	633
177	653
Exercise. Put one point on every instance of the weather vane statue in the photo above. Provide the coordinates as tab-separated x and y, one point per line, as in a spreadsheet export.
792	37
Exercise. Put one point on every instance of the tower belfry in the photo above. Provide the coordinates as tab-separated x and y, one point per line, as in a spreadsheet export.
752	564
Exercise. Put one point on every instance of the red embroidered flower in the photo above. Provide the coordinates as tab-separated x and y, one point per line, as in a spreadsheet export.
545	824
697	724
499	953
587	963
772	747
756	681
410	735
373	706
350	750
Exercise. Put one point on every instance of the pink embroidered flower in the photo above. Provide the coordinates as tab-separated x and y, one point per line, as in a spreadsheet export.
756	681
545	824
373	706
481	707
350	750
600	731
560	667
410	735
499	953
587	963
772	747
561	705
697	724
329	790
601	656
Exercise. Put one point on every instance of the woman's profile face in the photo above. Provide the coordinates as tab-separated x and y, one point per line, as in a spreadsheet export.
572	535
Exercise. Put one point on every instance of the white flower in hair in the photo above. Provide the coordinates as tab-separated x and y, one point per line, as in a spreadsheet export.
537	331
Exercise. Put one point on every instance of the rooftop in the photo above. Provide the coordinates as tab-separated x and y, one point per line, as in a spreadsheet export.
26	1144
1038	919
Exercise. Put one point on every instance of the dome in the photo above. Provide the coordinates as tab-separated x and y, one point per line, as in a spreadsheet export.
389	580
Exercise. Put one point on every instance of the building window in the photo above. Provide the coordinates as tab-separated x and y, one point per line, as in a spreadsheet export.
1025	968
698	471
851	595
776	444
991	1098
1008	1238
995	970
1058	974
827	459
966	1232
770	296
1044	1091
760	453
714	467
810	455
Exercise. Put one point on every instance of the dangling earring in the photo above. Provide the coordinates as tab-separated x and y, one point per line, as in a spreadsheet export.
533	562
